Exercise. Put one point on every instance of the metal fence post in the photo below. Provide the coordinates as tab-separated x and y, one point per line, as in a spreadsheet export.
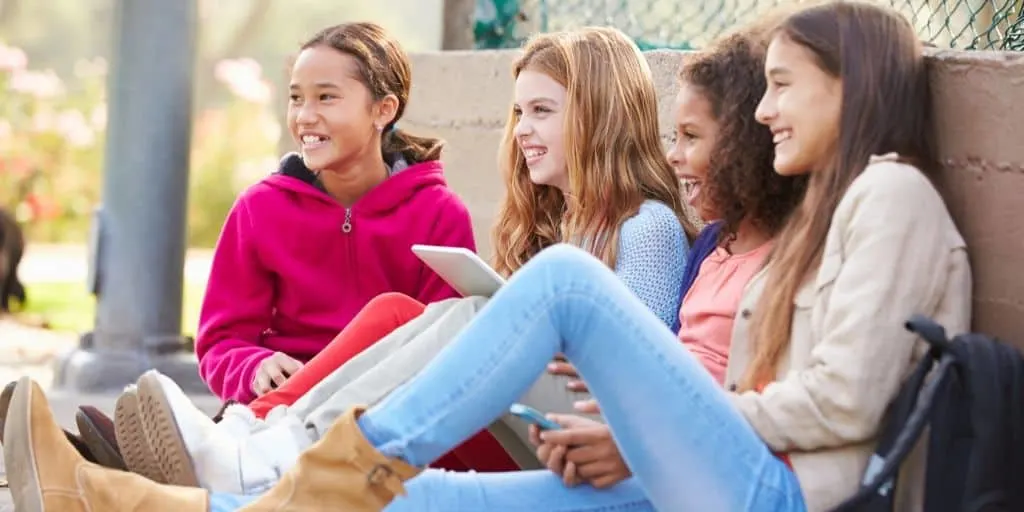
138	252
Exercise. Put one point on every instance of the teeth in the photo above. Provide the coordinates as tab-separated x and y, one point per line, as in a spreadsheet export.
312	139
531	153
781	136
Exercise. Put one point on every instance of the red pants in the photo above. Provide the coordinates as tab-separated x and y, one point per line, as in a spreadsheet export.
377	319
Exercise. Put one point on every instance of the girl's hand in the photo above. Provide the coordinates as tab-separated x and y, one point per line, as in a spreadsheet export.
583	451
552	456
273	371
561	367
587	406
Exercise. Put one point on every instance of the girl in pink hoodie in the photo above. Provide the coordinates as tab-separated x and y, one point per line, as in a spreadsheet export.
302	251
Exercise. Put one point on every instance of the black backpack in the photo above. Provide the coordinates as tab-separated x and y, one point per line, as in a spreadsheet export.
973	403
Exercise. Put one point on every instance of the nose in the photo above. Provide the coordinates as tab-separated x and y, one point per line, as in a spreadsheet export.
675	155
766	109
305	114
522	128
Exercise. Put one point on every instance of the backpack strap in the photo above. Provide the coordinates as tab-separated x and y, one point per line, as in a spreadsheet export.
930	331
909	414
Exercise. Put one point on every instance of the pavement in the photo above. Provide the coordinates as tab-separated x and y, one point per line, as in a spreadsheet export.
29	350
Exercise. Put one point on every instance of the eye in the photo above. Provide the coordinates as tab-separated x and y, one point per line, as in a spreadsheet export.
542	109
327	97
294	98
690	136
516	111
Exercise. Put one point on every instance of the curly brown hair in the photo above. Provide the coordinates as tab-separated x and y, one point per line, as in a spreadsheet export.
741	183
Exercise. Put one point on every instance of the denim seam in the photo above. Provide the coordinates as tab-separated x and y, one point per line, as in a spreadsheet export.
756	467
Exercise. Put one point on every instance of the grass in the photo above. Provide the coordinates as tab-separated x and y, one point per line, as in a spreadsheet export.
69	306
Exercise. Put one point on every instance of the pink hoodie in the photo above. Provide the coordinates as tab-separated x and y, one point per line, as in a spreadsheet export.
292	266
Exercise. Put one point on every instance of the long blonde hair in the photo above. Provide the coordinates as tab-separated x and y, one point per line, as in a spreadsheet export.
614	157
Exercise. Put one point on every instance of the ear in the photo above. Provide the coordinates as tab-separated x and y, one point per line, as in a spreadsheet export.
385	110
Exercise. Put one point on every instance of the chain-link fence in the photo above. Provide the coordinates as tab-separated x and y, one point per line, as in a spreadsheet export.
967	24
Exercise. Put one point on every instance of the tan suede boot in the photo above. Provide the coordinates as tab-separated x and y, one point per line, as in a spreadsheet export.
340	472
47	474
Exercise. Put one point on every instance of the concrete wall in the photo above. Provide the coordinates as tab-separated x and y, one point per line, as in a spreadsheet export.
464	97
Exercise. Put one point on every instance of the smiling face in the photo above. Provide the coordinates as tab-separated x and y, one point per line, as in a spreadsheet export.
331	114
540	104
696	133
801	107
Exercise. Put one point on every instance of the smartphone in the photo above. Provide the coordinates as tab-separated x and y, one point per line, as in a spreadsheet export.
533	416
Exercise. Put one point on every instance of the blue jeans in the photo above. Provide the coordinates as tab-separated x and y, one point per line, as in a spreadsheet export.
688	448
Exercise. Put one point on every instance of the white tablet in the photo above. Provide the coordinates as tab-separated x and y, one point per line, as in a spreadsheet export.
466	272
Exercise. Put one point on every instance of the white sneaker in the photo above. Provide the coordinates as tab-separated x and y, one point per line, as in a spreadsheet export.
238	455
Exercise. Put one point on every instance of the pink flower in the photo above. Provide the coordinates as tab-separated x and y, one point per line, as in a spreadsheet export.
41	84
12	58
75	129
243	77
16	166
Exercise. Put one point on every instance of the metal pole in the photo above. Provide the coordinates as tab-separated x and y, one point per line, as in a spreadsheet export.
138	247
458	25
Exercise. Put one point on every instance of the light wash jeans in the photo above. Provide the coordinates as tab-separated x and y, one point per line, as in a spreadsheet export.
688	448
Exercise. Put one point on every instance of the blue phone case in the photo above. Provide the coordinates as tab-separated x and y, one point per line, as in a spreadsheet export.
533	416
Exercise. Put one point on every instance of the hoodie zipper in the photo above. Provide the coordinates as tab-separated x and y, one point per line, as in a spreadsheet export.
346	227
349	247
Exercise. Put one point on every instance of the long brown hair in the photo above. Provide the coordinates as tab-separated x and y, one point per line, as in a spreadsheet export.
886	105
384	69
740	183
614	157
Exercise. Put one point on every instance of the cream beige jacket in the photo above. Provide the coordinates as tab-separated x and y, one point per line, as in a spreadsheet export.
892	250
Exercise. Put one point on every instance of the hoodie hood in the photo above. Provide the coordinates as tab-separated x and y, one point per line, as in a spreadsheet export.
402	185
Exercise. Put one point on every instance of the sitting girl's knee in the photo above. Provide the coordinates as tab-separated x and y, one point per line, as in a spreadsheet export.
566	254
393	301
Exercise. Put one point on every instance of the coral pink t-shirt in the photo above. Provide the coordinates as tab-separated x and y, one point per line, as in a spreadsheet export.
709	307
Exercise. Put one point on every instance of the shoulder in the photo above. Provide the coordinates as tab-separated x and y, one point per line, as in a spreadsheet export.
894	195
887	180
653	215
259	192
709	233
440	202
253	199
424	183
654	221
262	201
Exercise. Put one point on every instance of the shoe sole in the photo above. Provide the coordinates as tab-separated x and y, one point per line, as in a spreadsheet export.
22	473
162	432
135	450
96	441
5	404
